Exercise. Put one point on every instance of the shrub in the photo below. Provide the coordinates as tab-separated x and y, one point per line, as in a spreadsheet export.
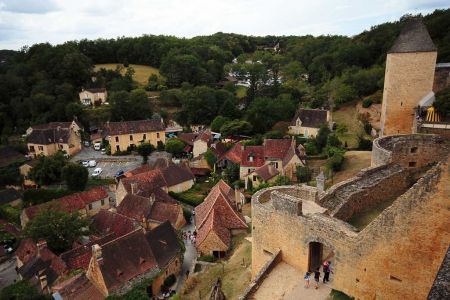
310	148
187	213
367	128
38	196
304	174
76	176
364	144
170	280
207	258
367	102
335	162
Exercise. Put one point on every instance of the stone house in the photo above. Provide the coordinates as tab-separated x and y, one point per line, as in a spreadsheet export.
217	218
173	178
307	122
143	255
86	203
77	287
392	253
129	134
24	171
94	96
202	143
47	139
38	264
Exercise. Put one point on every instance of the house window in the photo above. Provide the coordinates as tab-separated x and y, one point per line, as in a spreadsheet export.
412	164
117	147
32	149
144	136
131	137
60	146
117	139
414	150
249	171
254	177
90	206
41	148
276	165
157	135
103	202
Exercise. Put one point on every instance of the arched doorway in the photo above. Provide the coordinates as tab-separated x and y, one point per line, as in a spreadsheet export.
318	253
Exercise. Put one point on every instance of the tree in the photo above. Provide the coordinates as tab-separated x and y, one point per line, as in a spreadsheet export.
303	173
282	180
144	150
48	169
211	158
322	137
218	122
76	176
175	146
442	103
236	127
59	229
231	173
22	289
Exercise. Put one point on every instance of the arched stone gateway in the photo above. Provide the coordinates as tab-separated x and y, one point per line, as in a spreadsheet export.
319	252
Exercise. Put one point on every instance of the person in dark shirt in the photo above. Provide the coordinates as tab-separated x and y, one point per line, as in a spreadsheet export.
317	278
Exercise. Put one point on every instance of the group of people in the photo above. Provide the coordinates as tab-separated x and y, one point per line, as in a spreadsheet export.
326	268
188	236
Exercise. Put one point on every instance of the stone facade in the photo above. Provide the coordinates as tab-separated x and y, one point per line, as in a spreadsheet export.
121	142
408	78
397	255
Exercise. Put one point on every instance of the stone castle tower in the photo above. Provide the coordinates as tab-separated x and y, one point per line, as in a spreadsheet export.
410	67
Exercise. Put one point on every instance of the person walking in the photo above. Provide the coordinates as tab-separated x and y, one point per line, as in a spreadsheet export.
326	272
307	278
316	278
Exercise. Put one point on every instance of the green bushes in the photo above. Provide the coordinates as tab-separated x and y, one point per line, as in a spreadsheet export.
10	213
37	196
188	197
207	258
187	213
367	102
335	162
304	174
169	281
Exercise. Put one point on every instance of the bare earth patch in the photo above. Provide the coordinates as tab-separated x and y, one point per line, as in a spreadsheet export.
354	161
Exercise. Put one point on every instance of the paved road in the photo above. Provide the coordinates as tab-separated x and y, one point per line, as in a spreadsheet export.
190	257
8	272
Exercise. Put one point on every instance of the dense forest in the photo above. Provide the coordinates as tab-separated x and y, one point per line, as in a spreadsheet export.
40	83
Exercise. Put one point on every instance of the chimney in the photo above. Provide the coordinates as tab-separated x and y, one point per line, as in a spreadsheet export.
144	222
41	244
237	197
134	188
97	252
293	142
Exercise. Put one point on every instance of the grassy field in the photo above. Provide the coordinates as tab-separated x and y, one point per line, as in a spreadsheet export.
241	92
235	276
196	194
348	115
141	72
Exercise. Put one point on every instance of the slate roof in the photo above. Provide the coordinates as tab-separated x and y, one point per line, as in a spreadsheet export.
414	37
217	212
9	155
49	136
126	258
78	288
126	127
52	125
134	206
267	172
276	148
313	118
9	195
70	203
164	243
176	174
106	222
96	90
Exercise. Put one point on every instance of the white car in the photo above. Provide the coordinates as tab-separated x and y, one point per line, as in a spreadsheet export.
92	163
97	146
85	163
103	151
97	172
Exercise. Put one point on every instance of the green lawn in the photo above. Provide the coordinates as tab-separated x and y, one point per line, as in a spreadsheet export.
196	194
141	72
349	116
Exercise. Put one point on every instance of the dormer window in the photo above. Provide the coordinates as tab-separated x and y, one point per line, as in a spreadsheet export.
250	158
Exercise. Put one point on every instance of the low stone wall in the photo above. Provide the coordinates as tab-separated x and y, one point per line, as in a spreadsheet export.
265	270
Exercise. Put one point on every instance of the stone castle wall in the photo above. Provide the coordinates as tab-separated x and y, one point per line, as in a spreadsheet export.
396	256
408	78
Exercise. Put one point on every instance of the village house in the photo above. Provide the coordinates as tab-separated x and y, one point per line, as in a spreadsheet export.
129	134
85	203
153	254
94	96
47	139
173	178
281	154
76	288
217	218
24	171
202	143
307	122
38	264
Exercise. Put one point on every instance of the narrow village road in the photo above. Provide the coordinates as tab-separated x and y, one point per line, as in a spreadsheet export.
190	257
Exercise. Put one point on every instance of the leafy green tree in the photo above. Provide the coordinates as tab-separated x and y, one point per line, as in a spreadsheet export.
132	105
211	158
333	140
311	148
58	228
144	150
76	176
48	169
231	173
22	290
303	173
218	122
175	146
442	103
282	180
322	137
236	127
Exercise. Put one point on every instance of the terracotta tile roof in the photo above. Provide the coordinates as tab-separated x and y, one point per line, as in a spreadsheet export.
163	211
164	243
290	153
276	148
126	127
219	149
26	251
147	180
126	258
9	155
70	203
205	136
78	288
218	204
8	227
252	156
234	154
200	171
106	222
313	118
267	172
176	174
213	224
188	138
134	206
138	170
79	257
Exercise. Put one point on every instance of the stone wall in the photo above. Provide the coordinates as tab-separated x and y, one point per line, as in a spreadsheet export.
418	149
396	256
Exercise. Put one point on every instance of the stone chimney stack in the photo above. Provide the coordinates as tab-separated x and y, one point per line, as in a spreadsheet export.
237	198
320	182
97	252
134	188
41	244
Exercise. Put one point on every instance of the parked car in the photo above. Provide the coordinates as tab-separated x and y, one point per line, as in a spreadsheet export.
97	146
119	173
92	163
85	163
103	151
97	172
86	143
